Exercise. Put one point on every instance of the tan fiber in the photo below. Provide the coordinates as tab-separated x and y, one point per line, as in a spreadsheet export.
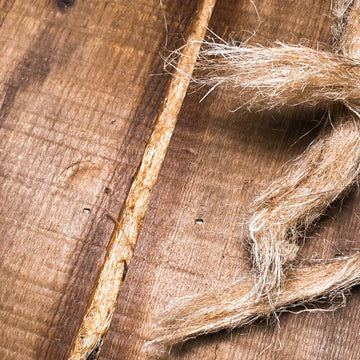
317	178
281	215
292	203
236	305
267	78
100	308
340	10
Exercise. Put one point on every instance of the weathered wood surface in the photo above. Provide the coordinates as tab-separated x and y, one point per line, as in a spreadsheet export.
77	108
217	163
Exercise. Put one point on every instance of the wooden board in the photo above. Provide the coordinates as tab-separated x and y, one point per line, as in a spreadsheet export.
218	162
77	108
78	103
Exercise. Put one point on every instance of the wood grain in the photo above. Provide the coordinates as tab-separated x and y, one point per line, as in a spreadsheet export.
100	308
217	163
77	106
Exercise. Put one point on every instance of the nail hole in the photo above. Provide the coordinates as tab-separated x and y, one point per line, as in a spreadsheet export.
86	210
107	190
199	221
62	4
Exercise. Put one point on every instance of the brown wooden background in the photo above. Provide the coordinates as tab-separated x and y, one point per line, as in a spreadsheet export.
77	109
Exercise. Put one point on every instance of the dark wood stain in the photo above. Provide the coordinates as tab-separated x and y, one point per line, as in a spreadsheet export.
217	163
94	355
33	69
65	4
125	270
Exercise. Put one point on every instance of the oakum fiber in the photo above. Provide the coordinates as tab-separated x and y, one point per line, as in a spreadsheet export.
266	78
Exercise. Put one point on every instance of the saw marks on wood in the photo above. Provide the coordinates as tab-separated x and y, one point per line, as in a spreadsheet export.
217	163
77	105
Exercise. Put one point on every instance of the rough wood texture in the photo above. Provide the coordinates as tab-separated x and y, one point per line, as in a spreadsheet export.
77	109
217	163
101	305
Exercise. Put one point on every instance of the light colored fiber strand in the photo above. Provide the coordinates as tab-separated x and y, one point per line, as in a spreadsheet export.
235	305
271	77
340	11
100	308
318	177
292	203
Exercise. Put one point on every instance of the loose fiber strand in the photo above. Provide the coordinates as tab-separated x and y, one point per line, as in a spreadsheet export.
235	305
291	204
265	78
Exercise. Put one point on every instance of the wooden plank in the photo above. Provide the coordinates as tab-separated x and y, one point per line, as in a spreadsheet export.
77	109
217	163
96	320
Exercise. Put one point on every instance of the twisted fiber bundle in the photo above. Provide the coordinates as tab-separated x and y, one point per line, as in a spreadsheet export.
292	203
236	304
324	172
268	78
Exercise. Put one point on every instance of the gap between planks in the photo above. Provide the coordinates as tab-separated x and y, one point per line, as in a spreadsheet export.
101	305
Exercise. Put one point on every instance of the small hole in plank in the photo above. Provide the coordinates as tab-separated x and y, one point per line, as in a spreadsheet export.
86	210
63	4
199	221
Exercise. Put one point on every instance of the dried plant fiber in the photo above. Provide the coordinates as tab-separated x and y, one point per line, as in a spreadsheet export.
236	305
281	216
292	203
269	77
273	77
323	172
100	308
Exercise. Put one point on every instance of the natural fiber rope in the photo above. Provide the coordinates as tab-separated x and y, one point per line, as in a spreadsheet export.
100	308
292	203
267	78
324	172
236	305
